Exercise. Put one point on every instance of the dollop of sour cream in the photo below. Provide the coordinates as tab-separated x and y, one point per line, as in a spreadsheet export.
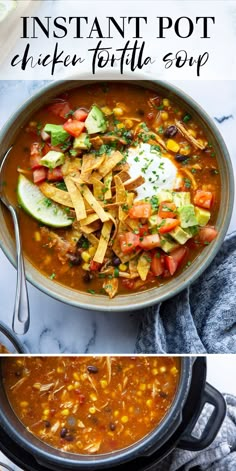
159	172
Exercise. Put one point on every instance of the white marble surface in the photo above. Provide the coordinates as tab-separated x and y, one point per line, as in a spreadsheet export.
219	374
56	327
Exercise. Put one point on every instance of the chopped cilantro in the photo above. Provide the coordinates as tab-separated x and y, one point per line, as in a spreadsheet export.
187	118
91	291
52	276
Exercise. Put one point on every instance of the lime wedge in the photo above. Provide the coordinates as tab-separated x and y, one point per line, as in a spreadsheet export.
5	7
39	207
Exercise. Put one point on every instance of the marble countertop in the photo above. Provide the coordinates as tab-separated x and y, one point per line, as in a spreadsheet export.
56	327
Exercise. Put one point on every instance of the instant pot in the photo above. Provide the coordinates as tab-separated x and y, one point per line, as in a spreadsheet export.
175	431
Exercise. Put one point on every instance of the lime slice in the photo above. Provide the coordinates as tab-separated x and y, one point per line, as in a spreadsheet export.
5	7
39	207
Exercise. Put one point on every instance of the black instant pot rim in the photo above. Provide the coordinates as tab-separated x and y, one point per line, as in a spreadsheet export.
13	339
148	445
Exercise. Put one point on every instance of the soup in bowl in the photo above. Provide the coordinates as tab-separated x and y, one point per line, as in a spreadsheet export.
122	188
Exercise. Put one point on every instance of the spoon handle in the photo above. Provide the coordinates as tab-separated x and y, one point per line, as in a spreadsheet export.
21	314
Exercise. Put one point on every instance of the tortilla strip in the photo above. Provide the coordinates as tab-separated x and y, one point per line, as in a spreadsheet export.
71	166
188	136
121	195
107	186
89	219
57	195
88	196
124	175
98	188
111	286
122	167
110	162
133	267
90	162
133	183
93	239
95	226
103	242
143	266
76	198
133	224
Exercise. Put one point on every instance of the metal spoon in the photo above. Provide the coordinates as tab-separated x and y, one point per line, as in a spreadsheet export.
21	314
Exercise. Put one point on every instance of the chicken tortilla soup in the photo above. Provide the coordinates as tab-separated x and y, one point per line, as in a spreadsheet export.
91	405
118	189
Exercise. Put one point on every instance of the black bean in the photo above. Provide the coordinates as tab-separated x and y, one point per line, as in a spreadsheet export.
116	261
163	394
92	369
83	242
63	432
171	131
87	277
75	259
69	437
180	158
47	423
112	426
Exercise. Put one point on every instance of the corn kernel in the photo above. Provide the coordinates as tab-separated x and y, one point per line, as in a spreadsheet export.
129	123
76	384
92	410
192	132
139	393
162	369
174	370
120	125
122	267
201	142
60	370
155	371
37	386
106	110
86	266
19	362
124	419
116	413
65	412
93	397
103	383
142	387
76	376
164	115
172	145
24	404
46	412
118	111
86	257
70	387
166	102
92	251
37	236
149	402
131	409
185	150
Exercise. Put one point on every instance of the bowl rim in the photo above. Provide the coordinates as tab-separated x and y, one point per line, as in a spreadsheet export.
210	251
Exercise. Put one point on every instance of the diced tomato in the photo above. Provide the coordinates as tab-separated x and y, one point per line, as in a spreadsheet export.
80	114
128	242
143	210
35	161
143	230
74	127
94	266
167	225
167	210
46	148
60	109
203	199
40	174
174	260
207	234
158	264
55	174
149	242
128	283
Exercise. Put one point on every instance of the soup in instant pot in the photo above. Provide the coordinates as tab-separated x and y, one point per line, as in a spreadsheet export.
91	404
118	188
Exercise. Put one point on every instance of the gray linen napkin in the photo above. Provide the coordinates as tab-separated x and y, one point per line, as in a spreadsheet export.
220	456
200	319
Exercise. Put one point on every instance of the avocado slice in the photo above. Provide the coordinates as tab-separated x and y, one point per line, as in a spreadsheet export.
154	220
187	216
181	198
95	121
168	244
53	159
192	231
82	142
180	235
58	133
202	216
165	195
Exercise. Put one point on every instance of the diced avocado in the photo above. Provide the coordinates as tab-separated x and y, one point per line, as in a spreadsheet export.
181	198
95	121
168	244
180	235
187	216
82	142
53	159
202	216
165	195
58	133
154	220
192	231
